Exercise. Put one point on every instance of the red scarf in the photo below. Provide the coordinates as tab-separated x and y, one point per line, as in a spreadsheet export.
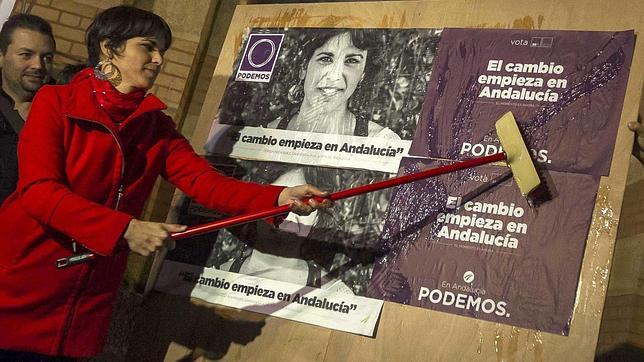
116	104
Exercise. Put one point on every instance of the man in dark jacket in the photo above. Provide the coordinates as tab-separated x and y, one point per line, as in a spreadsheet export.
26	51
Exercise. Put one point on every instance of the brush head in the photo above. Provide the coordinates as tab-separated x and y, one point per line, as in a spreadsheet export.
517	154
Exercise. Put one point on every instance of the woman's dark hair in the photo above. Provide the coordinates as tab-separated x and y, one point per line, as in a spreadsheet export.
120	23
364	39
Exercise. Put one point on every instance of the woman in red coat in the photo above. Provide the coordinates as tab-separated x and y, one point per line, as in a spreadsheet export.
89	155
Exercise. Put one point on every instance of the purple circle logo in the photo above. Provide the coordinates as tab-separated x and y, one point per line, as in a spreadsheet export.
259	58
261	53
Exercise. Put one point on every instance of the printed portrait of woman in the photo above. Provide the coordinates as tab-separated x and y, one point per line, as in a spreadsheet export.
337	63
352	82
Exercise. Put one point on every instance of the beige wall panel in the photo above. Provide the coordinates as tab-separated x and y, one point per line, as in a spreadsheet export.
636	336
414	334
185	19
626	268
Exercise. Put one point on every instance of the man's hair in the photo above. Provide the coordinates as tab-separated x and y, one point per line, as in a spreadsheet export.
23	21
120	23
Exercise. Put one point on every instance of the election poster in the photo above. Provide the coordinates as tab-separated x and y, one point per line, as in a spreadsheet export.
468	243
566	90
336	108
341	98
340	108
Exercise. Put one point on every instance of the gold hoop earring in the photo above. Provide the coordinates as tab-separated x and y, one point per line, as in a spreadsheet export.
112	75
98	70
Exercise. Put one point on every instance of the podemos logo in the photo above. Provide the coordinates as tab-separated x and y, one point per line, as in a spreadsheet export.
468	277
259	58
463	296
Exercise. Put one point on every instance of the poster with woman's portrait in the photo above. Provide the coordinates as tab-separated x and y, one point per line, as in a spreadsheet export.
344	98
336	108
319	88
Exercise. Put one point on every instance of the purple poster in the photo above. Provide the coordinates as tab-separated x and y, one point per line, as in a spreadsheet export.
468	243
565	88
259	57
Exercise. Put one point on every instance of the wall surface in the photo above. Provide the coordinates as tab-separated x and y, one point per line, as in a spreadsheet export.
623	317
175	328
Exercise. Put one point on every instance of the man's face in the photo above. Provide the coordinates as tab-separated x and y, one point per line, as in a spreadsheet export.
27	63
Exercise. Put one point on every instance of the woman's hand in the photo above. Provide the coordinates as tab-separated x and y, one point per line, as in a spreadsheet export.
145	237
294	195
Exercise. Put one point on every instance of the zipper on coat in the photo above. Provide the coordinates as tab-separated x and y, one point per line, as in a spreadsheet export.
119	194
70	316
85	280
121	188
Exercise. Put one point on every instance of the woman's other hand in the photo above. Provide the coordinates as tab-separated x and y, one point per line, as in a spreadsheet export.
294	195
146	237
638	147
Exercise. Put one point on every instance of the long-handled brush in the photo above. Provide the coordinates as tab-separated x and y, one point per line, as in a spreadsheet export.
516	156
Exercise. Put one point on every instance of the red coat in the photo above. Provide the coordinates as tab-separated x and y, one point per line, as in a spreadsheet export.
72	162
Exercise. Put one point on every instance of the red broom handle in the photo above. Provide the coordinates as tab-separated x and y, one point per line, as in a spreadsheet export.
285	209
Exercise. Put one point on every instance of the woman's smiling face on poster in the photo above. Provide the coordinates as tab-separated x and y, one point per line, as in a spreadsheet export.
333	73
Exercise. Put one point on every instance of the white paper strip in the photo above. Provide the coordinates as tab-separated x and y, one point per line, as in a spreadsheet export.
315	149
324	307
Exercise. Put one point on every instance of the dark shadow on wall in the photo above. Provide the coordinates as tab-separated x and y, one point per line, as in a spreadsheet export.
168	324
623	353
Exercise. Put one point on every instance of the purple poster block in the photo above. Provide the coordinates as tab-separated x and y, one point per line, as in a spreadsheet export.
565	88
468	243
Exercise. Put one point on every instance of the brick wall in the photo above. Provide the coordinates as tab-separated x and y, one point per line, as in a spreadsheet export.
70	19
